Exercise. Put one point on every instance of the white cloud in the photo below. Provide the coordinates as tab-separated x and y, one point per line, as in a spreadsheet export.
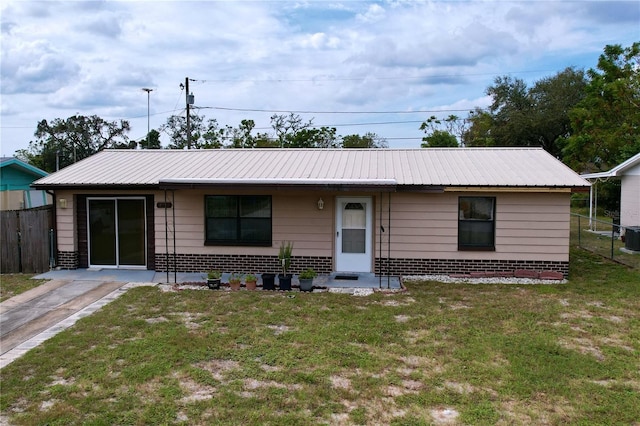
92	57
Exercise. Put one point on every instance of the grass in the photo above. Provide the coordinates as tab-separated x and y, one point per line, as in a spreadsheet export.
14	284
465	354
600	243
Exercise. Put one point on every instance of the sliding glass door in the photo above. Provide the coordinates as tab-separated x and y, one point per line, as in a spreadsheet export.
117	232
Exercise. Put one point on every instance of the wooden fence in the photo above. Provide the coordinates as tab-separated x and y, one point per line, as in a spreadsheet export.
26	240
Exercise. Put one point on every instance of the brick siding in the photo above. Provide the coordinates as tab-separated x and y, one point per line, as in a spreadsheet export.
241	263
461	266
68	260
324	265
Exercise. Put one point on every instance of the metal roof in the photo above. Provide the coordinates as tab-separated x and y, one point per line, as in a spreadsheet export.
616	171
431	167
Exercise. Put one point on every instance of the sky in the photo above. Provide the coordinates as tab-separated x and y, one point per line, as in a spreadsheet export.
359	66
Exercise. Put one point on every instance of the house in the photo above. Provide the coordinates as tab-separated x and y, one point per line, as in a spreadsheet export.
15	192
629	174
388	211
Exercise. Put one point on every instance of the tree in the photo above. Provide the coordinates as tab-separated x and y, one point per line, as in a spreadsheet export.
448	132
286	127
152	141
64	141
606	123
523	116
241	137
511	111
439	138
479	131
368	140
176	128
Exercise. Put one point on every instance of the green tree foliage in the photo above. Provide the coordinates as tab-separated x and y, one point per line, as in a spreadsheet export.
73	139
368	140
523	116
439	139
479	131
291	131
606	123
443	133
552	98
241	137
152	141
176	128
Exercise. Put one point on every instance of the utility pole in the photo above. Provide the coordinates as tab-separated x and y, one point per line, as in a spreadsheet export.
148	112
186	85
189	100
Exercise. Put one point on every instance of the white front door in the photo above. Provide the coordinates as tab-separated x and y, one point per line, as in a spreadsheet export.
354	218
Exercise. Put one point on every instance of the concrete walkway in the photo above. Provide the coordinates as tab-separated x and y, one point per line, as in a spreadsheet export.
30	318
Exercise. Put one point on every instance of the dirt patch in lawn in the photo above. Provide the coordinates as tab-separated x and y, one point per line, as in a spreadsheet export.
218	367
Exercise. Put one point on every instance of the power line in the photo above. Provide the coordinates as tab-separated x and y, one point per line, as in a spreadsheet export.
332	112
367	77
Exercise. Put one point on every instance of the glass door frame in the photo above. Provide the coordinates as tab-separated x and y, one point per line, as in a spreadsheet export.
117	264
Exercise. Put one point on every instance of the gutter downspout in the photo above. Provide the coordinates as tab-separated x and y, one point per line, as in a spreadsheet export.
53	234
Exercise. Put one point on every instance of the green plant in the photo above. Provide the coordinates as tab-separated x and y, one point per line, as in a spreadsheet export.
307	274
284	256
250	278
234	278
214	275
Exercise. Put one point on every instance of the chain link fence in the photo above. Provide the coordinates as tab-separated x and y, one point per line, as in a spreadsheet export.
607	238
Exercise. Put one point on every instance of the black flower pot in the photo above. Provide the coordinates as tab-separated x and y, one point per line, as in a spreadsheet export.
268	281
213	283
284	282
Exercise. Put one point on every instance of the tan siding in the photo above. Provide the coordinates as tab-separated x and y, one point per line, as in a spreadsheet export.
295	217
66	222
537	224
528	226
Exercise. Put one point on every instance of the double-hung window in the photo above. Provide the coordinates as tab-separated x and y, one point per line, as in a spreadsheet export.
243	220
476	223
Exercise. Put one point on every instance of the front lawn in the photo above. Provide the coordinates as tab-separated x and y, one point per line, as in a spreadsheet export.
14	284
438	353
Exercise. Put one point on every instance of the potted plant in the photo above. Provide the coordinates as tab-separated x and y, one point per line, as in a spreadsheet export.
306	279
250	281
284	256
268	281
213	279
235	282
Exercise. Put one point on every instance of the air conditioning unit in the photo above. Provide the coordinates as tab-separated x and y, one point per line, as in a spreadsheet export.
632	238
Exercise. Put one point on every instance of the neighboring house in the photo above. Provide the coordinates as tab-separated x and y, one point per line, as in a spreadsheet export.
397	212
629	174
15	192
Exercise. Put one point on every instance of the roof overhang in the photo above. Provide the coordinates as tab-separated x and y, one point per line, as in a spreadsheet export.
529	189
387	185
97	187
617	171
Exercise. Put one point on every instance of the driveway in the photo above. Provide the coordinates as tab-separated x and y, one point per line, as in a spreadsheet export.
32	313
